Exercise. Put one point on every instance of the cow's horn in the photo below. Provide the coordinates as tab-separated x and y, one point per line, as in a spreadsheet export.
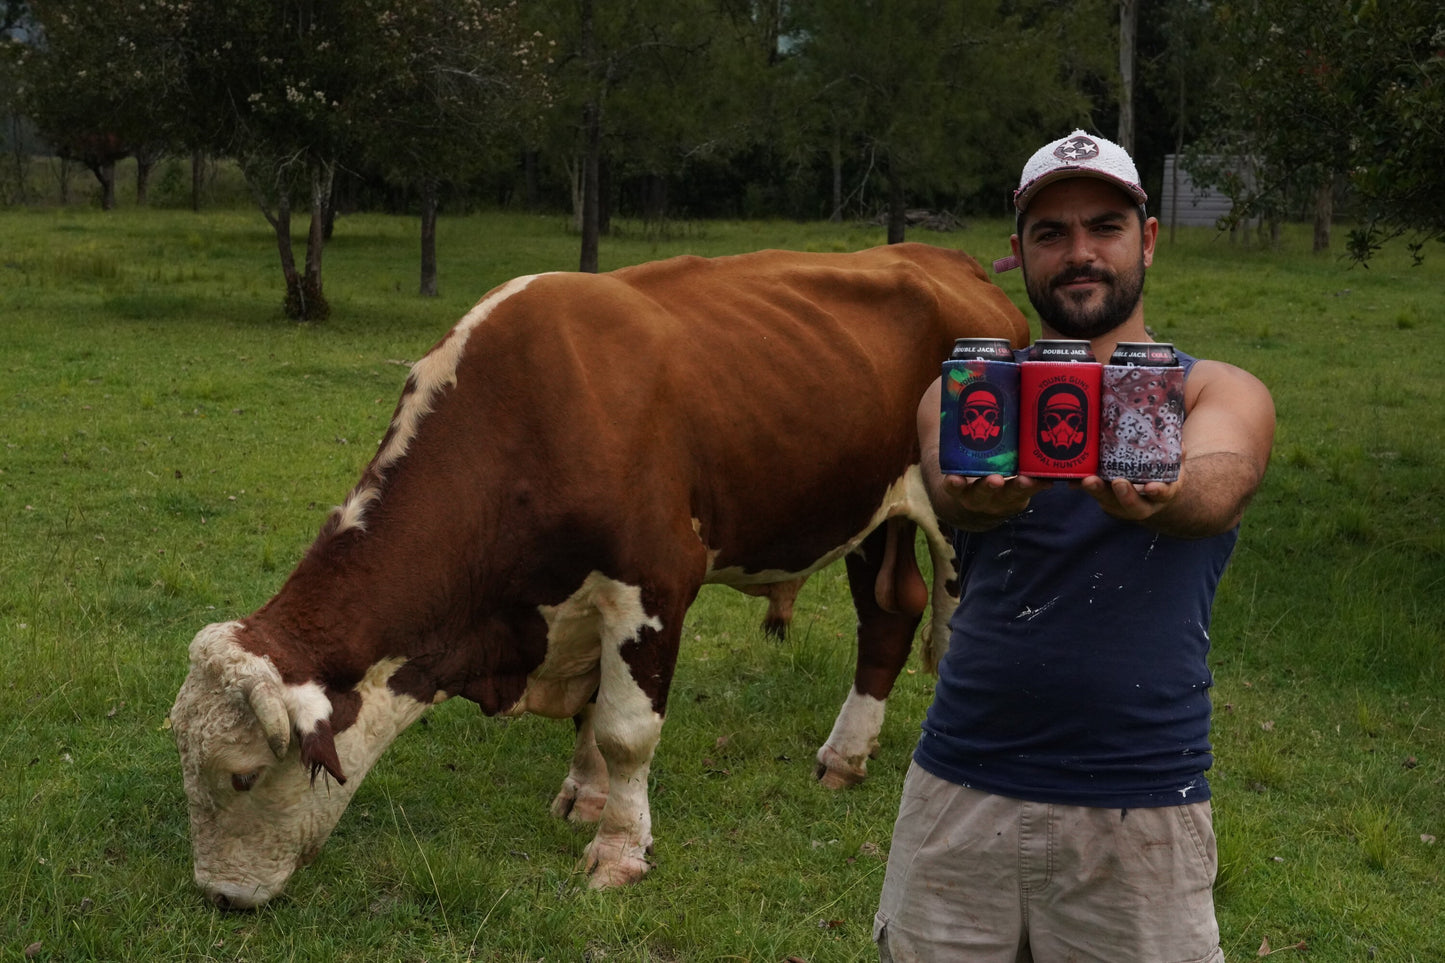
270	708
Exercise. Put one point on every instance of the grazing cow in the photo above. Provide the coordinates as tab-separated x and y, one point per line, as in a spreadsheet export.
563	471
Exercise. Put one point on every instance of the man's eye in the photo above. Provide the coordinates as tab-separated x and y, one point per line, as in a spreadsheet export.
243	781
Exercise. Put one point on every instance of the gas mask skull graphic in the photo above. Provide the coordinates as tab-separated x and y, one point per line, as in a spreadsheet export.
980	417
1063	414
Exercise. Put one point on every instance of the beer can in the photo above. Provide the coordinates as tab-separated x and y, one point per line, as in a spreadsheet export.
1059	410
1061	350
1151	354
1141	413
978	426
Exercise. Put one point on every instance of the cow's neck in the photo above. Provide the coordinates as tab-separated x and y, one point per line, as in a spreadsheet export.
399	592
352	605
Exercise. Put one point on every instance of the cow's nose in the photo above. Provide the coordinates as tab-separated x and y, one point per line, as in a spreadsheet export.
232	899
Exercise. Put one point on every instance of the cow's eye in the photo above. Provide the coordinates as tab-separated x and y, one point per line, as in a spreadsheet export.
243	781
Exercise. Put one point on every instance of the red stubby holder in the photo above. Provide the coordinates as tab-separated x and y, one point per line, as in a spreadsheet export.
1059	410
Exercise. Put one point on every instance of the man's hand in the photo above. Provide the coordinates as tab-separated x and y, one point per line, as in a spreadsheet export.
1131	501
975	504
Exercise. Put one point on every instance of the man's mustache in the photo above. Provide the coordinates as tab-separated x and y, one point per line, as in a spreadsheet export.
1081	274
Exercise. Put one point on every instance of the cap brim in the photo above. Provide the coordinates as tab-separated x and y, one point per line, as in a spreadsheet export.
1024	195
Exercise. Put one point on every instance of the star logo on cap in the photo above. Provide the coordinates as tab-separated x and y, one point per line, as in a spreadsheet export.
1076	149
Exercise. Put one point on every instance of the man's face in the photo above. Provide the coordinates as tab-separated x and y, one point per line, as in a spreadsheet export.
1084	253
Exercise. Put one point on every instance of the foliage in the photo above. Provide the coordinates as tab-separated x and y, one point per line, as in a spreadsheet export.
98	80
1354	89
932	93
455	83
645	89
454	86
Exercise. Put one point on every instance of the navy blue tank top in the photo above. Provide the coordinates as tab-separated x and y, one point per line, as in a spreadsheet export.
1077	668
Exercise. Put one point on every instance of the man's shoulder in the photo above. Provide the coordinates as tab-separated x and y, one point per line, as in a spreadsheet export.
1209	373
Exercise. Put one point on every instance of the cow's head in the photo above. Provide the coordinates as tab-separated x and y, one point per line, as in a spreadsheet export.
252	752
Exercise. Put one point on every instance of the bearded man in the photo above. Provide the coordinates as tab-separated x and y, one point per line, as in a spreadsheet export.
1057	806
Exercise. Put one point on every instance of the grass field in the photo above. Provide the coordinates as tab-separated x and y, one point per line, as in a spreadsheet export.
169	446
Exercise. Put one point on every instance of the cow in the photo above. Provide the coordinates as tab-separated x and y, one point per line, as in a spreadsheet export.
562	473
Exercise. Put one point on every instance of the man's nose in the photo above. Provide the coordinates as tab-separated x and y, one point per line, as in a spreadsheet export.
1080	248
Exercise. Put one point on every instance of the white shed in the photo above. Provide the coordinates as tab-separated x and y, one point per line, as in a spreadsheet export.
1188	205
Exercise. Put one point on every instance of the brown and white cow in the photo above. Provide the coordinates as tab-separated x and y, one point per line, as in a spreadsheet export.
563	471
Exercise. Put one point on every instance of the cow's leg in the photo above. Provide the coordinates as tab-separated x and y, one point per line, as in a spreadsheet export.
877	569
640	632
584	791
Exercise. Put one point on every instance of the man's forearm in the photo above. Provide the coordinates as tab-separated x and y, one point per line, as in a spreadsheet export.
1218	487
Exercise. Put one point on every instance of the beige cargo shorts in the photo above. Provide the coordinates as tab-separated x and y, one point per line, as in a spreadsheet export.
978	878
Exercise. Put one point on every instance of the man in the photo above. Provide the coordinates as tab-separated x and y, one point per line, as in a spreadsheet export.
1057	807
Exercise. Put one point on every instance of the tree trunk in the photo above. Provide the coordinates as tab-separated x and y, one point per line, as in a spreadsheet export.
104	172
1128	16
145	164
428	238
576	165
897	210
333	207
322	175
604	190
22	172
592	150
295	305
1178	156
1324	213
198	178
590	160
837	158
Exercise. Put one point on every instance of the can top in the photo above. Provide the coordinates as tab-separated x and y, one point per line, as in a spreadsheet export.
1047	350
1145	354
981	349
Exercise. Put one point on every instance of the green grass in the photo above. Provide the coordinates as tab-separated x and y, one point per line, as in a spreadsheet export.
169	446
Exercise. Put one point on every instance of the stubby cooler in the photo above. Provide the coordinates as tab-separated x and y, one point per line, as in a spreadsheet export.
978	427
1141	413
1059	410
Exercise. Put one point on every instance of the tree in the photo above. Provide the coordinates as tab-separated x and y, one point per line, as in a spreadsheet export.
99	78
456	84
288	77
1351	91
932	93
649	85
14	35
1393	78
1181	72
1128	32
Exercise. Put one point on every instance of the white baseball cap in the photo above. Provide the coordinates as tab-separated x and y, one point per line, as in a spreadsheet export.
1078	155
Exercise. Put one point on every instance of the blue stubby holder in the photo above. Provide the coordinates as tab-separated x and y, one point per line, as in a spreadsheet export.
978	427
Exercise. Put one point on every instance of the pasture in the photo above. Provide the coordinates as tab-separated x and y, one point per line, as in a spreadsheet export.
169	446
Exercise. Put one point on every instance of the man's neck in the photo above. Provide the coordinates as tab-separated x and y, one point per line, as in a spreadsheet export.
1103	346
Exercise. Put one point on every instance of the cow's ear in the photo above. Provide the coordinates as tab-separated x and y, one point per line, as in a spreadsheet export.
318	752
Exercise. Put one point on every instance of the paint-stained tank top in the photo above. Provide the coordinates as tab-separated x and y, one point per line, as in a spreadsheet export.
1077	670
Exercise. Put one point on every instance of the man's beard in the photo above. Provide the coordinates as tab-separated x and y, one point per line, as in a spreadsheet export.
1073	320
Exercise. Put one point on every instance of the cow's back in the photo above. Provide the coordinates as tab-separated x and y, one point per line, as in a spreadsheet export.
772	394
763	403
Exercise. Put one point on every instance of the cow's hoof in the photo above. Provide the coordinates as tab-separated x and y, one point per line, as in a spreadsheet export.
578	804
612	864
622	872
836	771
